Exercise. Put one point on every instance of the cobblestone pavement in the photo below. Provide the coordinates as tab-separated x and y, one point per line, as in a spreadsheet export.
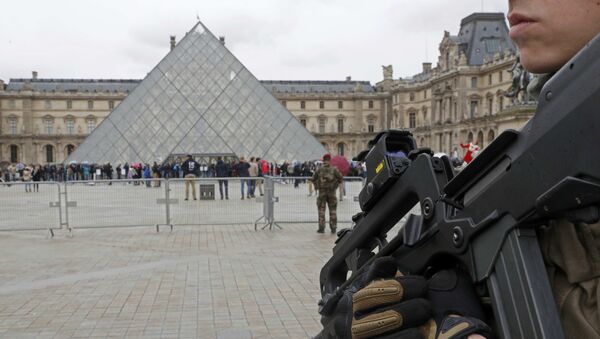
225	281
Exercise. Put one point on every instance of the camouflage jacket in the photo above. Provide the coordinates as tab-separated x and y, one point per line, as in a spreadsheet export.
327	178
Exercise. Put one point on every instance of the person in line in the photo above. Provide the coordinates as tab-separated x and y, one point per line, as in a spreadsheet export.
253	172
190	172
223	170
26	177
242	171
36	176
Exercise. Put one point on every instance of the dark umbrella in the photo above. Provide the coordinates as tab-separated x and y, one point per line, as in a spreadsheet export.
341	164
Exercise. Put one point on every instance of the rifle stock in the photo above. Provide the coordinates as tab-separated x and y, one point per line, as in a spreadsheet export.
484	219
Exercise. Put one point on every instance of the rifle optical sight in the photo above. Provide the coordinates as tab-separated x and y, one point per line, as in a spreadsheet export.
386	161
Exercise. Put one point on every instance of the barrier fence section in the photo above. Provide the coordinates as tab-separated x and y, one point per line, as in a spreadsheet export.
116	203
219	201
156	202
296	200
27	206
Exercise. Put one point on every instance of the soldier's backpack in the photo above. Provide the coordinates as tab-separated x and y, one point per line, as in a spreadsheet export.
327	179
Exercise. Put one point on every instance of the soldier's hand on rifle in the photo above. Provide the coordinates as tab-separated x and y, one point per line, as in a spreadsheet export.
383	304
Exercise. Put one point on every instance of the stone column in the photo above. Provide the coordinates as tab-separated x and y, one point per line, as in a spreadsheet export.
27	147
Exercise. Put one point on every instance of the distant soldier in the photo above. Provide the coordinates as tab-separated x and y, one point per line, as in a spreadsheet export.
326	180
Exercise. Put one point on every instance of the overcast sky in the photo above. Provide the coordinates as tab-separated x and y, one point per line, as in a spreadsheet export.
275	39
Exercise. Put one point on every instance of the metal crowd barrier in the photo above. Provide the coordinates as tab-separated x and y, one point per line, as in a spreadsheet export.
115	203
156	202
209	208
30	206
296	200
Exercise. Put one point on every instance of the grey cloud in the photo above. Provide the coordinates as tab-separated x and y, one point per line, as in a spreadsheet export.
276	39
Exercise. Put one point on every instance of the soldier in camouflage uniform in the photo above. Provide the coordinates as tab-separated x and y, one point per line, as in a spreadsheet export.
548	34
326	180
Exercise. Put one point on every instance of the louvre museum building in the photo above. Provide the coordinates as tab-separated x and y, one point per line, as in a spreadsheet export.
201	100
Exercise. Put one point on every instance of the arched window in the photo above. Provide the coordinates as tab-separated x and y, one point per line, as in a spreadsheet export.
69	149
341	148
321	125
14	153
412	120
480	139
371	124
490	136
470	137
49	153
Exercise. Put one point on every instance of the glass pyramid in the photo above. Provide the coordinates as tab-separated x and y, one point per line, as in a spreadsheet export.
200	100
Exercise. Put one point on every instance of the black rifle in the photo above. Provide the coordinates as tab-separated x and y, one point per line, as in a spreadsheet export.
484	218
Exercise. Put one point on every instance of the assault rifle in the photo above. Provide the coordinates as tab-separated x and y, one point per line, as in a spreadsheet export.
484	219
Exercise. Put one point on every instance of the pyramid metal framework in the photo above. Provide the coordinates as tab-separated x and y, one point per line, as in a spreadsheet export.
201	100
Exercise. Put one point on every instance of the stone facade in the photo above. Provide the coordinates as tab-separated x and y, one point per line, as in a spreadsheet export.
42	121
343	115
459	100
462	99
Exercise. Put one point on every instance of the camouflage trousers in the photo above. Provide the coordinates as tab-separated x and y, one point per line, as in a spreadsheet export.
327	197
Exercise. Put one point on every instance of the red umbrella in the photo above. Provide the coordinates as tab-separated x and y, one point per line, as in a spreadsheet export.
341	164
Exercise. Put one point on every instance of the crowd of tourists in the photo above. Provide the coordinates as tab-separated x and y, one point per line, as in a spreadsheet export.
135	170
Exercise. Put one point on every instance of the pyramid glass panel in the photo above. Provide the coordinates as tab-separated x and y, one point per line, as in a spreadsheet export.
201	100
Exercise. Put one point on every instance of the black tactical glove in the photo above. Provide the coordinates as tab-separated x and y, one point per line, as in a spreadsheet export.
383	305
456	308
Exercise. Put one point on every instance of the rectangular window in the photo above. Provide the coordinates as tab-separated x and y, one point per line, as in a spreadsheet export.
49	127
284	103
371	104
340	104
321	125
12	104
303	122
474	105
490	106
425	94
340	125
302	104
501	103
14	153
47	104
13	126
91	124
500	76
473	82
69	104
90	104
489	79
70	127
411	97
111	105
371	125
321	104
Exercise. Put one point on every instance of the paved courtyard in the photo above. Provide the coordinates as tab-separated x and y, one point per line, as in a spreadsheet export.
217	279
224	281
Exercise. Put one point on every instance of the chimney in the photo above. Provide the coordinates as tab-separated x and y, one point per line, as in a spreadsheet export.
426	67
222	40
172	40
348	78
34	75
